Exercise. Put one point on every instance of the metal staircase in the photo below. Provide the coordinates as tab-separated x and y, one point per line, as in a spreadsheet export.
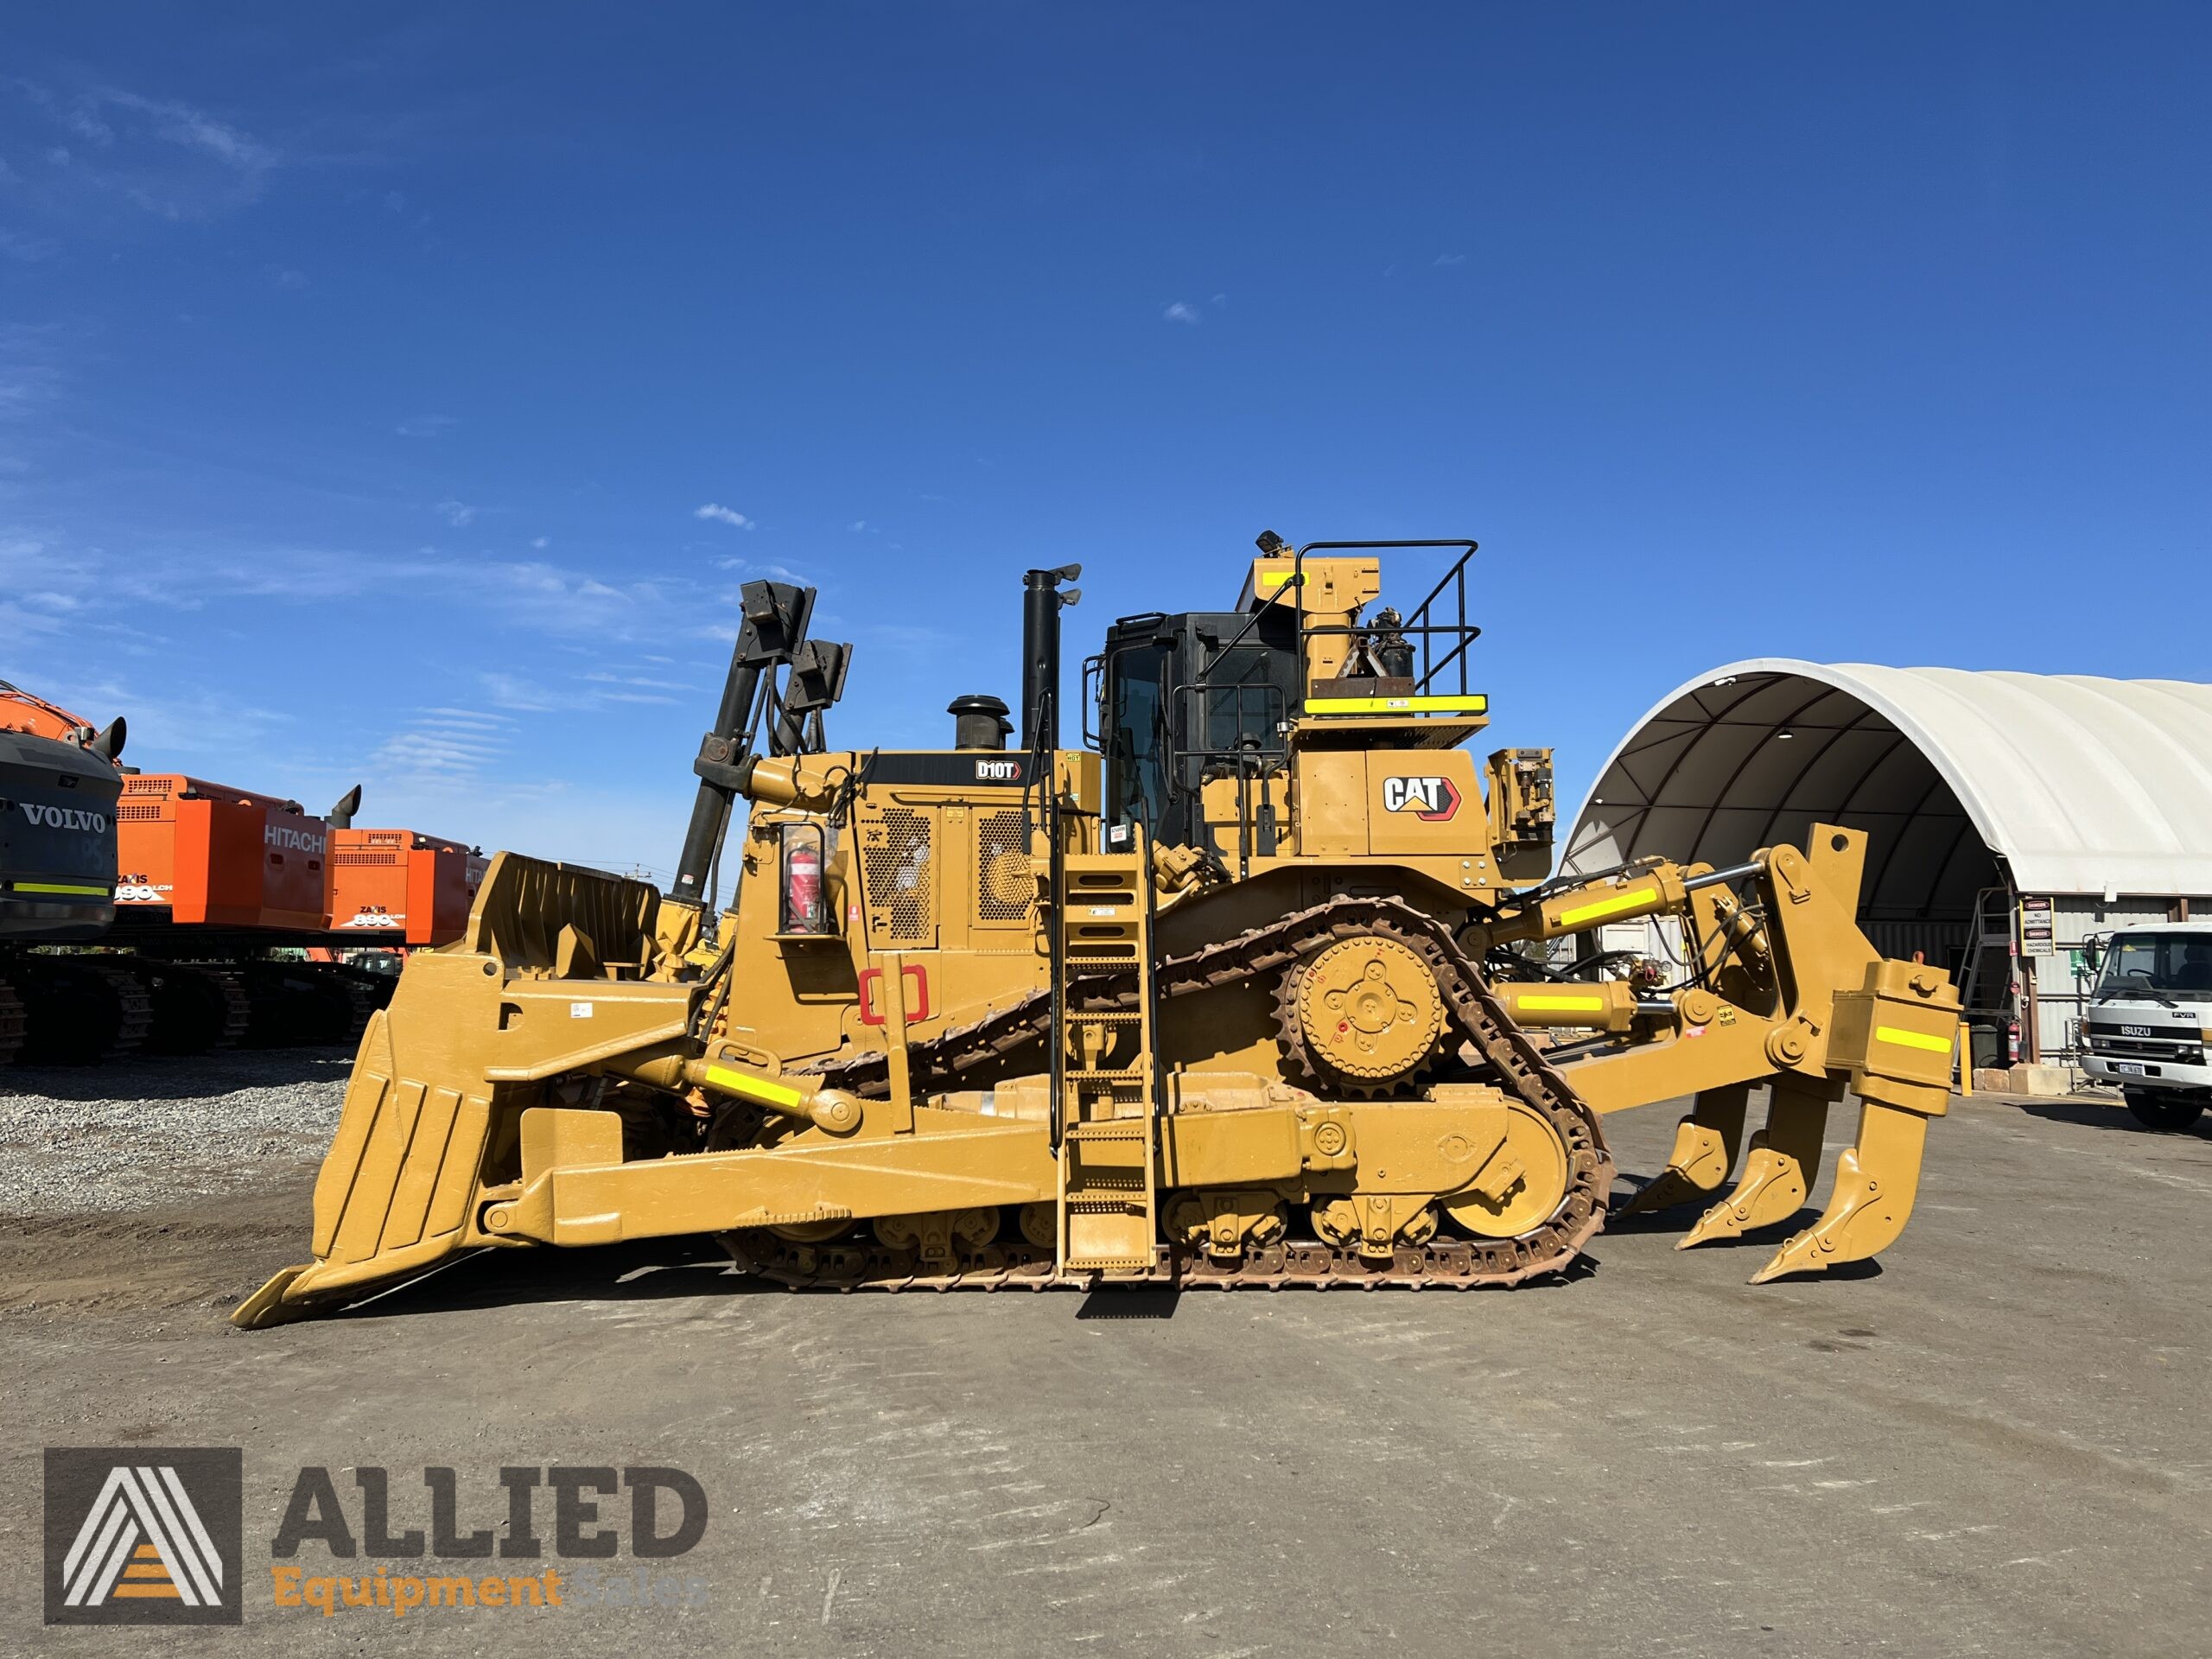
1105	1079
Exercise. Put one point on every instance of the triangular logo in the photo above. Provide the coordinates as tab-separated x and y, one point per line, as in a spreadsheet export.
143	1540
141	1537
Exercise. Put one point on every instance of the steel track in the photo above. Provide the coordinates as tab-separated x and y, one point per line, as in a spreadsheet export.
1514	1064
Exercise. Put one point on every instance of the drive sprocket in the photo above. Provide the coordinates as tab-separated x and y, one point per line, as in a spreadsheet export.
1361	1015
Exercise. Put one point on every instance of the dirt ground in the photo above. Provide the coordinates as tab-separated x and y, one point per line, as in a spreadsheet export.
1995	1444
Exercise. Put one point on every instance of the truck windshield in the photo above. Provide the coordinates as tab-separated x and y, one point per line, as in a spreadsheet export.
2175	966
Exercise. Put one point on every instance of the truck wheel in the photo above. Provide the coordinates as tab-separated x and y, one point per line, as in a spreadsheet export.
2168	1113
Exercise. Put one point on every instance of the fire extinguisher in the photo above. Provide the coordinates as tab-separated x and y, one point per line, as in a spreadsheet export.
803	889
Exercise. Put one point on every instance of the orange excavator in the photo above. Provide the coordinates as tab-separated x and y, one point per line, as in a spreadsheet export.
163	911
399	889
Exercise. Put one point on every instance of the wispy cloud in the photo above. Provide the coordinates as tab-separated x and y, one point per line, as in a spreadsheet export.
426	426
30	370
1179	311
722	515
285	276
600	676
443	744
34	599
750	568
459	514
511	691
531	596
583	694
1450	259
177	718
167	158
549	597
180	123
29	250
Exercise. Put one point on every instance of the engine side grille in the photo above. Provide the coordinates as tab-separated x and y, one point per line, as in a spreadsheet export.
897	866
1002	881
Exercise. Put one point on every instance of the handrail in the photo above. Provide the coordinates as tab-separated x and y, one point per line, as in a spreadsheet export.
1456	577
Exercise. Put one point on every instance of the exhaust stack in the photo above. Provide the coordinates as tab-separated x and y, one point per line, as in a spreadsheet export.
1041	599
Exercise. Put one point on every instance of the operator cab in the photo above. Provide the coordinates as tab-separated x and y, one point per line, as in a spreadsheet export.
1196	712
1185	699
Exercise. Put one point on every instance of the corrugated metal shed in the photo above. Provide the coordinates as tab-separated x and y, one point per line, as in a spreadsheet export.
2081	785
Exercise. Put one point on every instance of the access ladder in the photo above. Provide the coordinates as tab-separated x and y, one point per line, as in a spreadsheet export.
1104	1075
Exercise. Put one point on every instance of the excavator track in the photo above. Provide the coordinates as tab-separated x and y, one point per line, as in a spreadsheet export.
861	1262
133	1012
74	1010
134	1009
11	1022
197	1006
363	995
238	1007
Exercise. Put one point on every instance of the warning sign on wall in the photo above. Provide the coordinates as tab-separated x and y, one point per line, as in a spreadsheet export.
2035	927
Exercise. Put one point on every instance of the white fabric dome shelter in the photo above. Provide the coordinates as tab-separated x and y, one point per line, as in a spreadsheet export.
2097	793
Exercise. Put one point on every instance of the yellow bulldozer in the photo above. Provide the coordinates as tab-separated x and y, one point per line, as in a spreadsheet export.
1266	983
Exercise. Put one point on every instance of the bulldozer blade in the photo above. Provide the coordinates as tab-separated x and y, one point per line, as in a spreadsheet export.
429	1127
1876	1182
392	1196
1778	1175
1705	1151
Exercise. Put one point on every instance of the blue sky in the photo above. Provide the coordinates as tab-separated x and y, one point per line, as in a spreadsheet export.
398	395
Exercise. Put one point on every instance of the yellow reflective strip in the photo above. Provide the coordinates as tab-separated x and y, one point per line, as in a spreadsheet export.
1905	1039
1561	1004
737	1082
1397	705
1610	905
1273	578
61	887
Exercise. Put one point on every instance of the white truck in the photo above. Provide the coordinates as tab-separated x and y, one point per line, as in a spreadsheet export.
2149	1021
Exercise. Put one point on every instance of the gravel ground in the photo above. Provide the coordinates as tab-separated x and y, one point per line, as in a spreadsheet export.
97	1139
1992	1445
